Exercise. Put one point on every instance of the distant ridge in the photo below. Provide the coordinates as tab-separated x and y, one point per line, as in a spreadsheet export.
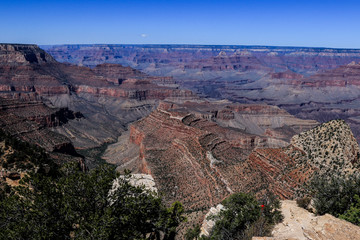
192	46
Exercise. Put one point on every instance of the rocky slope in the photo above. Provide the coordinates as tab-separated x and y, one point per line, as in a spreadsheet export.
328	149
198	161
244	126
32	121
330	145
199	152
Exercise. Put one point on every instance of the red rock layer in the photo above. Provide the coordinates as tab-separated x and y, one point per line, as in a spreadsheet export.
176	154
40	74
198	162
279	168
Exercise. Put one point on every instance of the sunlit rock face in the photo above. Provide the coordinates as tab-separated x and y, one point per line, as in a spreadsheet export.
299	224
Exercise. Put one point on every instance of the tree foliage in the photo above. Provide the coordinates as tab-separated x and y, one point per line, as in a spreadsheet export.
24	155
77	205
334	195
193	233
353	213
338	196
244	217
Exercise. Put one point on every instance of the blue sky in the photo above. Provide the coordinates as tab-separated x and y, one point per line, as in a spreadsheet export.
277	23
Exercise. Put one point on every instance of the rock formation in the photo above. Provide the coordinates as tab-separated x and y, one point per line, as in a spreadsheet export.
208	224
107	103
40	73
199	152
31	122
311	83
199	161
299	224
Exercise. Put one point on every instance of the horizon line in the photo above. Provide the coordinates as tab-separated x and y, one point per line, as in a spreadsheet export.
234	46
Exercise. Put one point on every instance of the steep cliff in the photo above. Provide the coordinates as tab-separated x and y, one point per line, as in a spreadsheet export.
32	121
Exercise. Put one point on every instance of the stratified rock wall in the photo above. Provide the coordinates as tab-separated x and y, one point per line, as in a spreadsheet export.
30	121
27	68
198	161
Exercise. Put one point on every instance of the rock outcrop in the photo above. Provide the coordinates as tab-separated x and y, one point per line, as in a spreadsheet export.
137	180
23	53
208	224
299	224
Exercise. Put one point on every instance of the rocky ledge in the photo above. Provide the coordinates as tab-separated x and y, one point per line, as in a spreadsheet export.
299	224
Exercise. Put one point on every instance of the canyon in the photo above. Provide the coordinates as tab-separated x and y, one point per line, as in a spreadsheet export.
310	83
195	157
28	73
202	121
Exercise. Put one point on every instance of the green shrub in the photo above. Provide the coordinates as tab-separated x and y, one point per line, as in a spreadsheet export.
334	195
353	214
77	205
244	217
193	233
303	202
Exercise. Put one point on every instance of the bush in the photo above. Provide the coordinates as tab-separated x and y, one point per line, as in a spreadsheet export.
78	205
353	214
335	195
245	217
303	202
192	233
